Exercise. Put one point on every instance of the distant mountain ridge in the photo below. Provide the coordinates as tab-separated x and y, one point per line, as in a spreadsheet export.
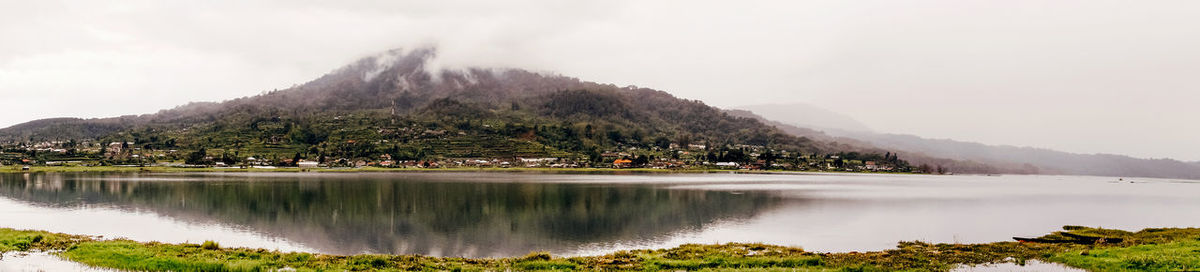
1051	161
997	158
810	116
913	157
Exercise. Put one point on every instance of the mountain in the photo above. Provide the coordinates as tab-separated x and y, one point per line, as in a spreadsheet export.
810	116
851	144
394	104
969	157
1050	161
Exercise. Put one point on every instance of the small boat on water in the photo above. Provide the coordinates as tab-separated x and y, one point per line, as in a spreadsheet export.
25	168
1092	239
1037	240
1070	238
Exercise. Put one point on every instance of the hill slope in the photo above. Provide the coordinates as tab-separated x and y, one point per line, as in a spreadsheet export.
808	116
1050	161
851	144
392	104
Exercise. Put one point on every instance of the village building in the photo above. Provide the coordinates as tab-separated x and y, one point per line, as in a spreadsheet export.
622	163
535	162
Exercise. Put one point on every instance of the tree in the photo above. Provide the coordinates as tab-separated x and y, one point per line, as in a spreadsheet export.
662	142
228	159
615	136
197	157
640	160
768	157
684	140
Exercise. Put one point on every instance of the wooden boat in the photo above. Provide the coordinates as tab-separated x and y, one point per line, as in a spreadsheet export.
1073	239
1092	239
1039	240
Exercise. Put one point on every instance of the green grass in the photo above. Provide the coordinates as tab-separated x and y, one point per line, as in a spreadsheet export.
1173	256
1173	249
130	255
26	240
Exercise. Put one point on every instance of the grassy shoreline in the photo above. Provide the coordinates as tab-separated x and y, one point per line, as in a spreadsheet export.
166	169
1116	250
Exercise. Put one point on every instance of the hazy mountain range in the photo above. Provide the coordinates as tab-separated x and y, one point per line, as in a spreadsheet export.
808	116
961	156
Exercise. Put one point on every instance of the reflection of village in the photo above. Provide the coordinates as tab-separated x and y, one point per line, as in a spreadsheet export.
692	156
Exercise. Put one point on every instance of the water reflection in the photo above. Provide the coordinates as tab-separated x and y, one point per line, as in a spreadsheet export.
493	214
444	214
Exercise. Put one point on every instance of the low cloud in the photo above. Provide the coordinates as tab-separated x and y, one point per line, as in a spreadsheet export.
1081	76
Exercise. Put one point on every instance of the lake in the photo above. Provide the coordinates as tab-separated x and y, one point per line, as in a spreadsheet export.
510	214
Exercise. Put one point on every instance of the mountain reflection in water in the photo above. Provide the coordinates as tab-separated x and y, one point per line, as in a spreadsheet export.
510	214
461	214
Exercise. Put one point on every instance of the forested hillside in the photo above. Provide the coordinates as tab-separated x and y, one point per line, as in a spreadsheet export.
392	105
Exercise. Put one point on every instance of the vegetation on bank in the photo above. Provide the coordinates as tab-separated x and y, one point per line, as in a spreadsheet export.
1092	249
27	240
169	169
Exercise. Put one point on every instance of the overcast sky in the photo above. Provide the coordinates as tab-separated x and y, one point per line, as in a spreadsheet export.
1081	76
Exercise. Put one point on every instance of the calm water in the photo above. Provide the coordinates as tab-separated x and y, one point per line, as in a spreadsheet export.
497	214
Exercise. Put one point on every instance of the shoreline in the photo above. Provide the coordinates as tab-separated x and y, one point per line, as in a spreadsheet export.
1092	249
169	169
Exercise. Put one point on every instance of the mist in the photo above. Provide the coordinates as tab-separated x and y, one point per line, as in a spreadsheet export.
1078	76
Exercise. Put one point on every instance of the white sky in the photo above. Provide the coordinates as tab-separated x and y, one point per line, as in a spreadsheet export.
1081	76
